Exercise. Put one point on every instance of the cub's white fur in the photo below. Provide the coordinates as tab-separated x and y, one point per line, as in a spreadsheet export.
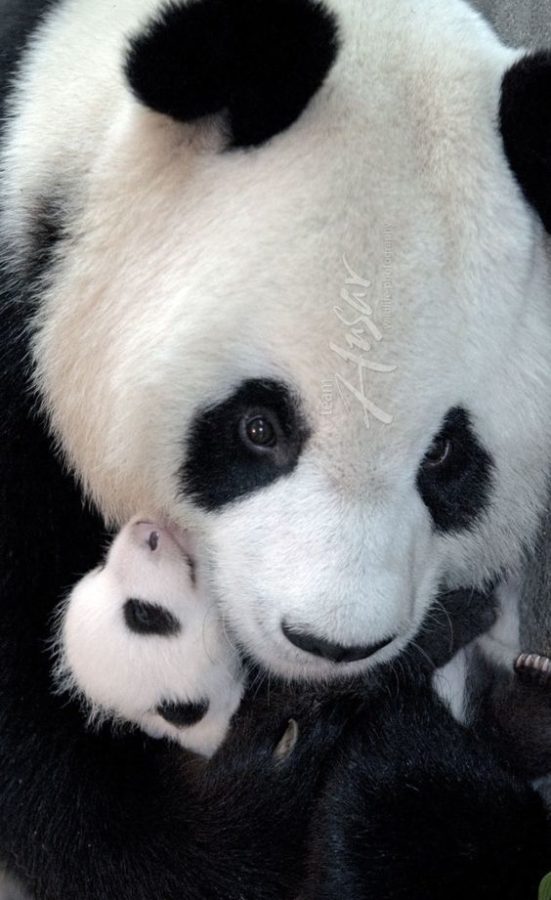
187	270
125	676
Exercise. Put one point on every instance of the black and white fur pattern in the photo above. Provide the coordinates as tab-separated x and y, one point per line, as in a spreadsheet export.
399	800
330	546
166	284
140	643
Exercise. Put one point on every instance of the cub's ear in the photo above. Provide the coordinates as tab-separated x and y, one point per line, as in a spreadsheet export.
258	61
525	116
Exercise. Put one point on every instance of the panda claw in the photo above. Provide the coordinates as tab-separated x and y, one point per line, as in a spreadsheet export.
532	667
287	742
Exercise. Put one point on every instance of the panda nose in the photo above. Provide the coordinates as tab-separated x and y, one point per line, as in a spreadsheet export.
184	714
327	650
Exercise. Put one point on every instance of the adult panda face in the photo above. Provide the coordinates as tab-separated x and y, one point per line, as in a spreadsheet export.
321	344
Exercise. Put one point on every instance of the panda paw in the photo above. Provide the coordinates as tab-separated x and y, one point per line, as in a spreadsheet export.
140	643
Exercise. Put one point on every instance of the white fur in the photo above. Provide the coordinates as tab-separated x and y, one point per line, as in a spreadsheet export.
124	675
189	270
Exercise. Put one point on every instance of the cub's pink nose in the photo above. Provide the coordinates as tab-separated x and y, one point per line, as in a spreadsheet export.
155	537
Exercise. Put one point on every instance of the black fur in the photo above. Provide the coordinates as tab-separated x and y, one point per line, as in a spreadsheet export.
219	467
513	712
526	128
149	618
417	808
457	491
18	22
182	715
259	61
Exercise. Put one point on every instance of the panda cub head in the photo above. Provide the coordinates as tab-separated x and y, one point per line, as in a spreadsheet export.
139	642
298	300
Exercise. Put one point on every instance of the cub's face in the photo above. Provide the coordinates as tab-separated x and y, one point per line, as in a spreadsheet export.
326	355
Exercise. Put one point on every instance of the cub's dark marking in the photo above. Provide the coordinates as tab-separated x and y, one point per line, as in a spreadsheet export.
149	618
457	490
335	652
220	467
183	715
525	120
259	62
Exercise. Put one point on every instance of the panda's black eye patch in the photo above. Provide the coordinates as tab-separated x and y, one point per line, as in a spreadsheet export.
150	618
455	475
242	444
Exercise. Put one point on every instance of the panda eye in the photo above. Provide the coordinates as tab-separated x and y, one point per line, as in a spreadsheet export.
438	453
244	443
259	431
454	478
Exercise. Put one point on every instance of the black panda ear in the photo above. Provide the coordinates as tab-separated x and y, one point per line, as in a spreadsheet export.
258	61
525	116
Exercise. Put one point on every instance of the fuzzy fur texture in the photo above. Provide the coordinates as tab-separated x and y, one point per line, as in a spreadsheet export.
130	674
385	235
413	261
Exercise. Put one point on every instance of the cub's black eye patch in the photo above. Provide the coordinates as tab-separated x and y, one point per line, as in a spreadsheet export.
149	618
183	715
455	476
223	463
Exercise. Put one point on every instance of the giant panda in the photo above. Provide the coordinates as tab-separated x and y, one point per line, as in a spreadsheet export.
276	272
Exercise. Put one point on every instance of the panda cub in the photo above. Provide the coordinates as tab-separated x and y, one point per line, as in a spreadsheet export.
140	643
392	797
